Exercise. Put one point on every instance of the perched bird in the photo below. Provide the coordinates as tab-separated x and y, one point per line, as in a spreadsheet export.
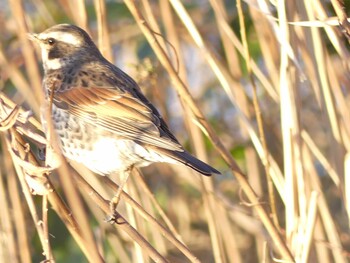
99	112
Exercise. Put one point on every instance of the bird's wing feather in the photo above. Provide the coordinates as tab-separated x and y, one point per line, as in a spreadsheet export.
126	115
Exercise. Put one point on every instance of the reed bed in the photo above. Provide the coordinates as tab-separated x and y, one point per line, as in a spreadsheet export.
258	89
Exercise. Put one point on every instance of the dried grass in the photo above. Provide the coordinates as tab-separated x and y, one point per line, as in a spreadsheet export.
284	114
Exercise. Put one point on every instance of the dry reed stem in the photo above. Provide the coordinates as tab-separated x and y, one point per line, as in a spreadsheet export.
340	9
267	42
181	88
45	223
6	226
216	242
319	233
347	184
158	208
207	187
77	207
104	43
342	108
232	61
19	81
286	118
327	220
139	209
28	53
332	32
15	146
18	213
20	147
227	84
258	115
149	14
99	215
138	255
322	75
309	227
231	54
139	196
121	223
44	12
79	14
229	241
320	157
227	30
152	221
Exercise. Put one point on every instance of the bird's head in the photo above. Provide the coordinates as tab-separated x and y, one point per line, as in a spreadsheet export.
64	44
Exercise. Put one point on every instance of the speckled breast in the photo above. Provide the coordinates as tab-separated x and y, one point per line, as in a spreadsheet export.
97	149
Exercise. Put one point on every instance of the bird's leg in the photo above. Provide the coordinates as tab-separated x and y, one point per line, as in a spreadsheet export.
113	203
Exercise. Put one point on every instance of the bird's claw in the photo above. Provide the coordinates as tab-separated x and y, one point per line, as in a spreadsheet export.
114	218
114	215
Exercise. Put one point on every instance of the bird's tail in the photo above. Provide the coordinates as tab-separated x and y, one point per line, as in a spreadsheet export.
189	160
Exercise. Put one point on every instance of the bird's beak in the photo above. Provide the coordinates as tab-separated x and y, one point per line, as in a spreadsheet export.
33	37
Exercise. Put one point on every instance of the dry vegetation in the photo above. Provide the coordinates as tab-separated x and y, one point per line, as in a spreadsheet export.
259	90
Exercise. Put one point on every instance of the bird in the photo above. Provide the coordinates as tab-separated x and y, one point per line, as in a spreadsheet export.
101	117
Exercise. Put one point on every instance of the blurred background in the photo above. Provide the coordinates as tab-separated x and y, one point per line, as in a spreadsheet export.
268	91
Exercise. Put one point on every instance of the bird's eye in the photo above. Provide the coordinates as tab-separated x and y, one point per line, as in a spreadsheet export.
51	41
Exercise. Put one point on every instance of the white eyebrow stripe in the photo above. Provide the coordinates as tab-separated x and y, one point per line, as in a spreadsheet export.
63	37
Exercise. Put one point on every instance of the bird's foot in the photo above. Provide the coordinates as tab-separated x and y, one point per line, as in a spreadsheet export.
114	215
114	218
